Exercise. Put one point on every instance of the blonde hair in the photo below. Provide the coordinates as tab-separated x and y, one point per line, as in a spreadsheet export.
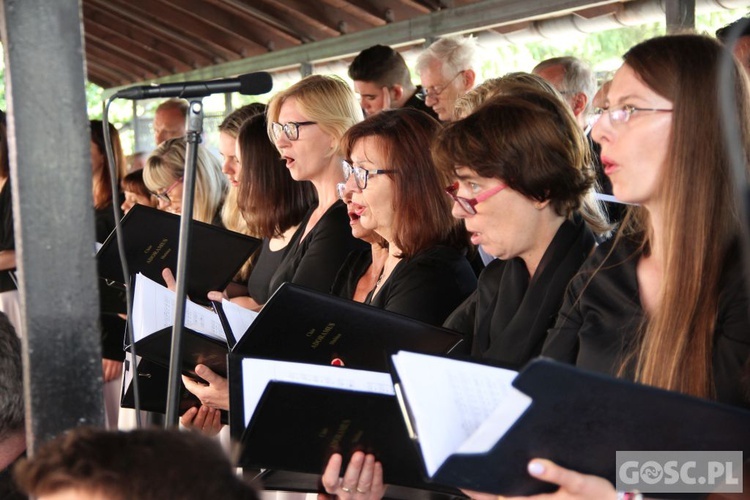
167	164
325	99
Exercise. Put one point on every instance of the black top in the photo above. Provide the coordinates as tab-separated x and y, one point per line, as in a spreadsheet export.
417	103
314	261
353	268
427	286
7	239
601	315
263	270
509	314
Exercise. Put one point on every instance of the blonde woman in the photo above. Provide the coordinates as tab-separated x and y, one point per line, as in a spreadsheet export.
164	176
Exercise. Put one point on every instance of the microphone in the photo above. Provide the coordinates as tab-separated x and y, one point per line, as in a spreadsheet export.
249	84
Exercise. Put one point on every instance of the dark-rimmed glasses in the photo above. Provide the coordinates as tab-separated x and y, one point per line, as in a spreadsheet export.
468	205
622	114
436	90
361	174
290	129
164	195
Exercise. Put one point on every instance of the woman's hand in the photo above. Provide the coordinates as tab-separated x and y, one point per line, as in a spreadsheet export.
169	280
214	394
573	485
111	369
205	420
363	479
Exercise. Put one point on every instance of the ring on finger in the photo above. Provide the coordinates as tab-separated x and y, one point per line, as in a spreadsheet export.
360	490
345	489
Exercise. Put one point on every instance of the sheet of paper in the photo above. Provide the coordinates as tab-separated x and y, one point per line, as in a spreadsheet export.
257	373
239	318
154	308
449	400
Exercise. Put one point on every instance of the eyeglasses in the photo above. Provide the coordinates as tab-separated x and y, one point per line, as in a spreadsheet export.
341	190
469	204
290	129
164	195
361	174
622	114
436	90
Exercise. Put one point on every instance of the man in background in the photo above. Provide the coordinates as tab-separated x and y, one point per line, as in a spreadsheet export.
382	80
447	69
170	120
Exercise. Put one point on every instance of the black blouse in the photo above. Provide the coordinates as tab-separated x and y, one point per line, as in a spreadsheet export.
315	260
602	313
427	286
509	314
263	270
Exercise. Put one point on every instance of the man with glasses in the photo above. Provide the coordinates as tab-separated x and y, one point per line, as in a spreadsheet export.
382	81
447	70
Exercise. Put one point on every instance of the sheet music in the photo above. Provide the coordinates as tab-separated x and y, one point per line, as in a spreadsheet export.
257	373
450	400
239	318
154	309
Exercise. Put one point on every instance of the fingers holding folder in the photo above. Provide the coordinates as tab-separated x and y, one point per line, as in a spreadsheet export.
363	478
214	393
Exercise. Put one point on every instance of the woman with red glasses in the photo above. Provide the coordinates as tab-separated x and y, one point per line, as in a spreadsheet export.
522	169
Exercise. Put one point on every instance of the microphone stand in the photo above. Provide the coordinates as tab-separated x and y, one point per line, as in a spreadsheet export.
194	130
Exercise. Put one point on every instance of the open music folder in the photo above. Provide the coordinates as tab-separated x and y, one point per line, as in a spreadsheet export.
467	424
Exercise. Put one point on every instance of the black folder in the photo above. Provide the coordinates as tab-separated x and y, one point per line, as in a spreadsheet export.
297	427
151	237
580	419
300	324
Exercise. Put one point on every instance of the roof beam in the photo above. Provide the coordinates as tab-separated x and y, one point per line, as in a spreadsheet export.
294	11
145	38
468	18
356	12
103	49
262	20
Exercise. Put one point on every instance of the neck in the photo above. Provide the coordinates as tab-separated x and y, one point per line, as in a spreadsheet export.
544	235
655	230
11	448
325	185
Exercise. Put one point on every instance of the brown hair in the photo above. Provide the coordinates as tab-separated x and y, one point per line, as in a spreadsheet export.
674	349
268	197
133	182
102	183
529	140
422	209
146	464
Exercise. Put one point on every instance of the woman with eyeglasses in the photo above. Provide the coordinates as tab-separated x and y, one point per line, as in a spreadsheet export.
394	190
164	176
665	303
275	205
306	123
522	170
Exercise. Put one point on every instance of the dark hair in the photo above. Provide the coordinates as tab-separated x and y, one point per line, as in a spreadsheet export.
270	200
723	33
529	140
422	209
11	380
382	65
145	464
133	182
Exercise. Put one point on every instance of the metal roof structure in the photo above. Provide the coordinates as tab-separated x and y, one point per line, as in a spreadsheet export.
134	41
